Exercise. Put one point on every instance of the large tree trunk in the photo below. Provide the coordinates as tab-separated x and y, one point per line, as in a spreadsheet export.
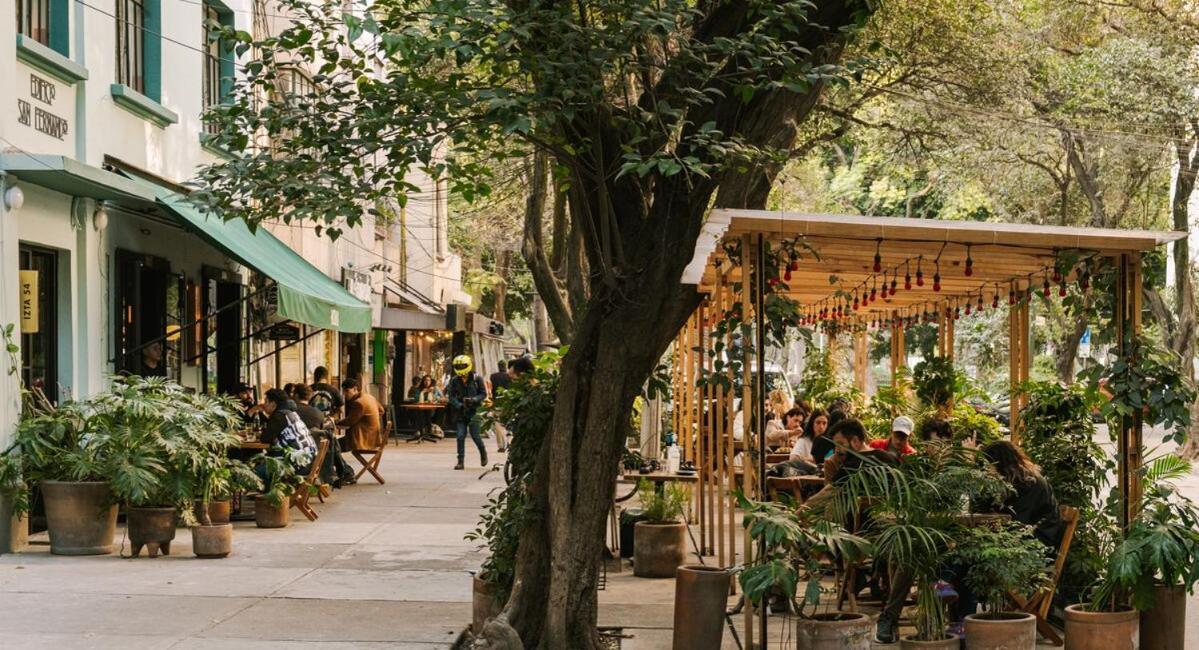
1187	154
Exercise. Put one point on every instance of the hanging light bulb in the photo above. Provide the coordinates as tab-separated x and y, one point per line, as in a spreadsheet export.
878	258
967	307
874	291
995	300
969	262
855	300
1045	289
907	276
893	283
1057	273
919	272
1084	281
957	312
1061	289
936	281
980	306
787	273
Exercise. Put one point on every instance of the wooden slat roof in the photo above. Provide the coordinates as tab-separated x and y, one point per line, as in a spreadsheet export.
1003	254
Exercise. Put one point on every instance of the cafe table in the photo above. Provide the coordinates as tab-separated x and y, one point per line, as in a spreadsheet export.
428	410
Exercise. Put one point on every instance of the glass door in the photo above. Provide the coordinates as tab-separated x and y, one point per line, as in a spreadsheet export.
39	322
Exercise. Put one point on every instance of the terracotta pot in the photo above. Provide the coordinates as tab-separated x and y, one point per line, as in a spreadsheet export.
1163	626
152	528
658	549
839	631
1001	631
701	594
215	541
269	515
218	511
80	517
483	603
1102	630
14	529
951	642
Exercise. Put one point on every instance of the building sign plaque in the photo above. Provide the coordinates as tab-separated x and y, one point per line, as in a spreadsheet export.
29	306
28	114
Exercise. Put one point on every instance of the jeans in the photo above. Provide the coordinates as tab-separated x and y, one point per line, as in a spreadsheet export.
471	424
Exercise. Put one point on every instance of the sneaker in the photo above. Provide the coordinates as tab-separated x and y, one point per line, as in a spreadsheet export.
483	459
459	465
886	631
957	629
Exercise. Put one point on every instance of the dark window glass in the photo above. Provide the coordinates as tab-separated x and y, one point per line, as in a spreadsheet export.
131	42
39	349
33	20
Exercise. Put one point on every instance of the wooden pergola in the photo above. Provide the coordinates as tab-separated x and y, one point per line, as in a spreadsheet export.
860	272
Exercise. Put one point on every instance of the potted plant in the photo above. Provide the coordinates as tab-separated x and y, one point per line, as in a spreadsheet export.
14	506
794	549
272	508
219	477
660	538
916	511
83	466
1150	567
1000	559
937	382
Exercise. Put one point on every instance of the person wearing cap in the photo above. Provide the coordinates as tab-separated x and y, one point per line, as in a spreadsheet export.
465	393
897	443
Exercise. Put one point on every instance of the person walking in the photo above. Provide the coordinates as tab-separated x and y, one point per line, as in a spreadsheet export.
465	393
499	381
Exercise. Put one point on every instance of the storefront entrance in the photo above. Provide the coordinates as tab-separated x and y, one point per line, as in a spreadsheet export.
39	322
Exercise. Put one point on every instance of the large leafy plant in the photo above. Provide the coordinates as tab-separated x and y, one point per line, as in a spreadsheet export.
793	552
1160	546
914	516
1146	382
1001	559
1058	434
938	382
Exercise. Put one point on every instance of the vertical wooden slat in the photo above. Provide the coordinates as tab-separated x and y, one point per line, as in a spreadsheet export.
700	499
860	357
747	456
1129	438
718	465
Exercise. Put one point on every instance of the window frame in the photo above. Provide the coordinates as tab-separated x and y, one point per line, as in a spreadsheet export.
54	18
138	60
218	66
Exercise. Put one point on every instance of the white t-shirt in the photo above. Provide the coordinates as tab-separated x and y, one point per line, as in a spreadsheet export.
802	450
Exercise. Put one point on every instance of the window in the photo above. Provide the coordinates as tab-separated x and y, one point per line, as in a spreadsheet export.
45	21
294	81
39	338
33	19
218	58
138	46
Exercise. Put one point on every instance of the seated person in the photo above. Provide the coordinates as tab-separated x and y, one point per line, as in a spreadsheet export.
251	412
815	428
285	429
313	418
429	393
414	389
781	431
852	451
822	445
1031	503
324	396
799	462
901	430
936	430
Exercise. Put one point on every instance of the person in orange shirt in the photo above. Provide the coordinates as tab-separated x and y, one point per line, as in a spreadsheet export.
901	430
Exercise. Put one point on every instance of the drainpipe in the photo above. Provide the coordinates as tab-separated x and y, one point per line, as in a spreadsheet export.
83	258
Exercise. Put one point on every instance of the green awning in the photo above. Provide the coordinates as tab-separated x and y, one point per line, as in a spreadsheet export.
305	294
69	176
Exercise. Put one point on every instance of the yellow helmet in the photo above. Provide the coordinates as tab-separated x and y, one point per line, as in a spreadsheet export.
463	365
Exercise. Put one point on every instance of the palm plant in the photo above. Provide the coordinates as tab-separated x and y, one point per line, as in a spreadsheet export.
792	545
911	515
282	479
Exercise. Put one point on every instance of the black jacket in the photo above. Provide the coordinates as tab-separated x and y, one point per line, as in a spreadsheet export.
465	395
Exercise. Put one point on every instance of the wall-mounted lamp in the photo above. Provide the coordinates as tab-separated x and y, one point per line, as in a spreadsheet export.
14	198
100	216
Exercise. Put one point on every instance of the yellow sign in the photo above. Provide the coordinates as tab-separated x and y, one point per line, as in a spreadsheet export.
29	315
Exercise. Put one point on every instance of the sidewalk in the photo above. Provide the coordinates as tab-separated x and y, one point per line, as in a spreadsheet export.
385	566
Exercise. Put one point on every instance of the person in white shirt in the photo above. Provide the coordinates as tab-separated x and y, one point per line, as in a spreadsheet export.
816	426
781	431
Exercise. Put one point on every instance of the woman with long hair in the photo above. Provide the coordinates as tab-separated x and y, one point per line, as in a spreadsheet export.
1031	501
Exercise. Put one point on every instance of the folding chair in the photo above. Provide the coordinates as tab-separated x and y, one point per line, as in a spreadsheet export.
1039	603
311	483
376	455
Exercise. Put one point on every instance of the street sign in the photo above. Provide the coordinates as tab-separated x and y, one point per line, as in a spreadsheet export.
29	306
284	332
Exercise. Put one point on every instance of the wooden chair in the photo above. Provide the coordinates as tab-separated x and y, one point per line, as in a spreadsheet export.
376	455
1039	603
311	483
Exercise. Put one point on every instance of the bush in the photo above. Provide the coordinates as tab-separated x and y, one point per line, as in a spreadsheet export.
1000	560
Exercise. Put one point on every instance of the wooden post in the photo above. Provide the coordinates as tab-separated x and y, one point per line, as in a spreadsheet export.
718	466
1128	327
747	408
730	454
1020	361
860	360
899	352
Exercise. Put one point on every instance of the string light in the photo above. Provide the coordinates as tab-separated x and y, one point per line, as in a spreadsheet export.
878	258
969	262
907	276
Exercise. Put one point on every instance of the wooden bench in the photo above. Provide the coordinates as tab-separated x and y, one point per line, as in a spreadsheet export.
311	483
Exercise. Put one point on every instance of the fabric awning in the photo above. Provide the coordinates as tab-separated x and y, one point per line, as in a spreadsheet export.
305	294
69	176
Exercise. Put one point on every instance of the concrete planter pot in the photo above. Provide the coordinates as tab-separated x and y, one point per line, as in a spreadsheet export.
838	631
1102	630
484	605
80	516
218	511
1163	626
950	642
215	541
1001	631
701	594
658	549
269	515
152	529
14	529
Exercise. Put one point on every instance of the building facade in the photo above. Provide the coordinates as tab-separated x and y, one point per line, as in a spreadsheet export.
103	269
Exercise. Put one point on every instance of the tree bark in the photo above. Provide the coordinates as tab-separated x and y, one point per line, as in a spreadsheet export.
503	268
534	253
